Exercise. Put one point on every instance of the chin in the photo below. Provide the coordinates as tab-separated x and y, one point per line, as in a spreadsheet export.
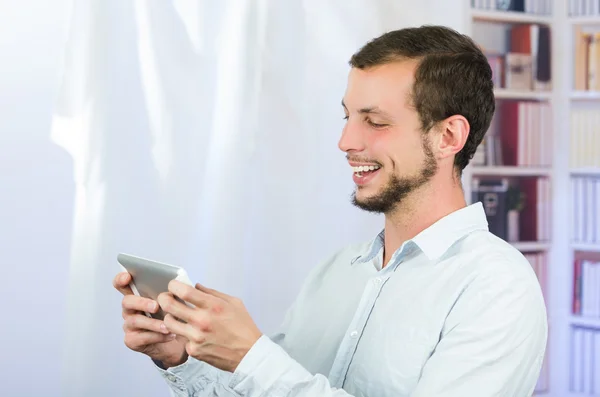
364	193
385	198
369	200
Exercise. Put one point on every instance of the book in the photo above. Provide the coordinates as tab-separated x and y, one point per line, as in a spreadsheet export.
492	193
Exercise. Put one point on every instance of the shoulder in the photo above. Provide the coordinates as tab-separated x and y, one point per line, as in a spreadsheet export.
498	291
486	255
341	258
497	275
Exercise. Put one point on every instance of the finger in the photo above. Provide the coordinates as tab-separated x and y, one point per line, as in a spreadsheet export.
121	283
177	327
213	292
139	339
139	304
140	322
126	313
170	305
190	294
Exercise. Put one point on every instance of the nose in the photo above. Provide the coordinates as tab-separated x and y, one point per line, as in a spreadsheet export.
351	139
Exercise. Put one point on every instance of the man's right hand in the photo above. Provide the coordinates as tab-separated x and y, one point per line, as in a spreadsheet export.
144	334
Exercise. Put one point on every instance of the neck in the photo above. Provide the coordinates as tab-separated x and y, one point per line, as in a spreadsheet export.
421	209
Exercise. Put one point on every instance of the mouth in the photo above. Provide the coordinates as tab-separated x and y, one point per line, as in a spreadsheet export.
364	173
363	170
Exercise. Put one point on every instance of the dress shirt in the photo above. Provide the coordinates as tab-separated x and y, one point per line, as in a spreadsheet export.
457	312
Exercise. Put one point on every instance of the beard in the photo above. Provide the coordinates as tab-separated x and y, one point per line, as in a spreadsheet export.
397	189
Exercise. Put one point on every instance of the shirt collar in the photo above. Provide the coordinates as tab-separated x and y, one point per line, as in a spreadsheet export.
439	237
374	248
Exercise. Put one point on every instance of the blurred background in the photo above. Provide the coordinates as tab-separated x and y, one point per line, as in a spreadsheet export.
204	134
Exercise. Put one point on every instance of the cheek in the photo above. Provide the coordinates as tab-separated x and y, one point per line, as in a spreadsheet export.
399	154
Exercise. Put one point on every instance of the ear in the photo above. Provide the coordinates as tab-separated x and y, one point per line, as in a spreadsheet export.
454	134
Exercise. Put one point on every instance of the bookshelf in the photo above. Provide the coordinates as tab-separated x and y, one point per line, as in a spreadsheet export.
585	322
522	148
585	20
502	93
589	171
586	247
583	68
508	16
585	96
531	246
565	154
569	111
511	171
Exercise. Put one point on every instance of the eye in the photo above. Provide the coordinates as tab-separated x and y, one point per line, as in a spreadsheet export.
346	117
375	125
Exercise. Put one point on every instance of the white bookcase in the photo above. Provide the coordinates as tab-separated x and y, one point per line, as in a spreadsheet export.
488	27
584	349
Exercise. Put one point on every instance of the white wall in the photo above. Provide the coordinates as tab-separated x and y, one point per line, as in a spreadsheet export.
36	198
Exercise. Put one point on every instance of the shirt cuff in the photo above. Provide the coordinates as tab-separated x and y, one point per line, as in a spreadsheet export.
267	367
174	376
184	377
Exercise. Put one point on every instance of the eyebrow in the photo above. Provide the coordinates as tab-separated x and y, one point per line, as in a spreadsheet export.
369	110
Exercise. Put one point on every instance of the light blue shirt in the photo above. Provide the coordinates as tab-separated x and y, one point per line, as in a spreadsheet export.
457	312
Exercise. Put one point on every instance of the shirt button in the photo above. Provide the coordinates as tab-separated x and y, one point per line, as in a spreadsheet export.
377	281
353	334
172	378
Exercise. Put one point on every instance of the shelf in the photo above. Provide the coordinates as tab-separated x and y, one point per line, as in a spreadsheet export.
501	93
531	246
511	171
586	20
509	17
585	95
590	322
587	171
587	247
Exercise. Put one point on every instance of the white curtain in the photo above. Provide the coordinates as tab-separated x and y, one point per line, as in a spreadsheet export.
204	134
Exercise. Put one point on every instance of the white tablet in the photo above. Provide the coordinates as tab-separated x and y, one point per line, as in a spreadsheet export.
150	278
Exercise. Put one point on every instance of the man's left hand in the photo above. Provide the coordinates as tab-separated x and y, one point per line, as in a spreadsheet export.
219	329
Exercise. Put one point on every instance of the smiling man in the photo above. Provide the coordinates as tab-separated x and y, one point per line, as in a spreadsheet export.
435	305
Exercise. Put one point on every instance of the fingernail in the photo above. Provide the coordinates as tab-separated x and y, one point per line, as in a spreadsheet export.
172	336
152	306
123	278
164	329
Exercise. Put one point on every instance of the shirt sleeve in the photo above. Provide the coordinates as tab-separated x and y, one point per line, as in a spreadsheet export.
493	343
266	370
196	378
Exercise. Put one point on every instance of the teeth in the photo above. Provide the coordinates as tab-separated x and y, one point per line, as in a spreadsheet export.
364	168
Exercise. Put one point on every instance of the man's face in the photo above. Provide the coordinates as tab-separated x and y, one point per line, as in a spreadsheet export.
390	155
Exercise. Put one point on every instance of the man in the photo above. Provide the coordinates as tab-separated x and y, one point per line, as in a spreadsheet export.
435	305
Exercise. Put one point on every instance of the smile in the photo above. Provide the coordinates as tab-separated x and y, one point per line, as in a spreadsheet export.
362	174
365	168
